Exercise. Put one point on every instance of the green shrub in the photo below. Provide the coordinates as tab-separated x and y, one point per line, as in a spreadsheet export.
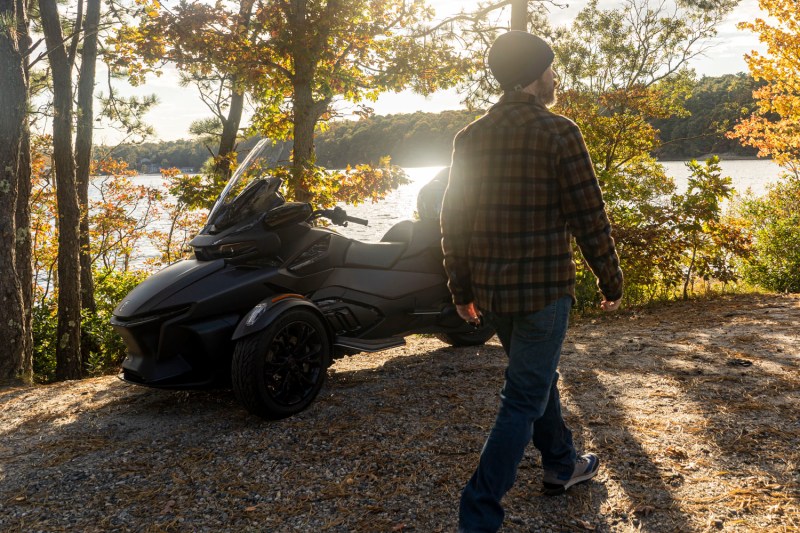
103	349
106	349
44	341
774	223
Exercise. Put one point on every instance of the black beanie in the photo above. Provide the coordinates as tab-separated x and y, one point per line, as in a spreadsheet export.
518	58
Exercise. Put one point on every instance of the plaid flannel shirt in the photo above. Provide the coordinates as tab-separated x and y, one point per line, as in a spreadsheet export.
521	184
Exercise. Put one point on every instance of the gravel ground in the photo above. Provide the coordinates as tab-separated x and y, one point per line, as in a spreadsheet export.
693	408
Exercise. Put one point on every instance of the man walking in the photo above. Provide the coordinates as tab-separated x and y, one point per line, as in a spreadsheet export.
521	184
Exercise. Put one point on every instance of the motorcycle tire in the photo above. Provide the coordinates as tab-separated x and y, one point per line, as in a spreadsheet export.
279	371
473	338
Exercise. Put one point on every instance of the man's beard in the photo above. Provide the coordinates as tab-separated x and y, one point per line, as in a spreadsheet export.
549	97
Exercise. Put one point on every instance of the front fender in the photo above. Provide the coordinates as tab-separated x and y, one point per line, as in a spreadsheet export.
266	311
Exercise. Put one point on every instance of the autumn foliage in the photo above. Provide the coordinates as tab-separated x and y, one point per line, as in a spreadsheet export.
772	221
301	63
775	128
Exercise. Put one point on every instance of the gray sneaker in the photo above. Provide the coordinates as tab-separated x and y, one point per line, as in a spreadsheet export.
586	468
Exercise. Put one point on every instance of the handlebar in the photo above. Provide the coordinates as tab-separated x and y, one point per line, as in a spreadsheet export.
362	221
338	216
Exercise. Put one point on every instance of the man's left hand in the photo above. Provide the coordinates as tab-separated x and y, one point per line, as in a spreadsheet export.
609	306
470	313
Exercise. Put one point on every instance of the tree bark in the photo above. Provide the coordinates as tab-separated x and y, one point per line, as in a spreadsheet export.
83	146
68	355
307	112
303	151
25	250
230	127
83	162
519	15
227	142
23	214
13	109
689	271
302	99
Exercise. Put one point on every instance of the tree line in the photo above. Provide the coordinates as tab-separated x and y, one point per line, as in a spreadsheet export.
71	256
148	157
714	104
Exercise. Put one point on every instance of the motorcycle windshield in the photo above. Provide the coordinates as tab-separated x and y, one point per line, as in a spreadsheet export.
250	190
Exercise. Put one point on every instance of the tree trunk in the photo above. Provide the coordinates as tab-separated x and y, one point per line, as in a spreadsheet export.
689	272
83	146
83	163
227	143
13	109
302	99
519	15
23	215
68	360
230	127
25	251
303	151
306	114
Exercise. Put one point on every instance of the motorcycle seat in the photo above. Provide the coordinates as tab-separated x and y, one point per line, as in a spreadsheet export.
400	232
381	255
421	236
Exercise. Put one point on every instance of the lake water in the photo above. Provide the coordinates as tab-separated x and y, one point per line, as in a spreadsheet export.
753	174
402	203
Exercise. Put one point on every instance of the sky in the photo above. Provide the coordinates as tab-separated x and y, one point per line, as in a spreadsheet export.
179	106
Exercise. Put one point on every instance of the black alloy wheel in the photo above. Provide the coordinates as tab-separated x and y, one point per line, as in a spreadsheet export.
280	370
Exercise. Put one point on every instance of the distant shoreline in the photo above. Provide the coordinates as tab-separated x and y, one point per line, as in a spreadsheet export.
723	157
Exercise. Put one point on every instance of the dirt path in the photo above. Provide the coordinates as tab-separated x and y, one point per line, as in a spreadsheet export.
693	407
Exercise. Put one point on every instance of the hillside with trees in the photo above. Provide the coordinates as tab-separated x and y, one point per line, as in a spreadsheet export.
149	157
419	139
715	105
411	140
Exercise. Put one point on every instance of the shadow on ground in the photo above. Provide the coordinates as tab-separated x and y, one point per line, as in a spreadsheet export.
688	440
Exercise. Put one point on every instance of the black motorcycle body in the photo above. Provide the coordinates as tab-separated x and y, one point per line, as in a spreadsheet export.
270	298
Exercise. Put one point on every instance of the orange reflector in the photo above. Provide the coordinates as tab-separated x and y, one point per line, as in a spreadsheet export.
284	296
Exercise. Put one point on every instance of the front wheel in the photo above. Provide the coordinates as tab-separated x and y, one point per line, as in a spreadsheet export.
472	338
278	371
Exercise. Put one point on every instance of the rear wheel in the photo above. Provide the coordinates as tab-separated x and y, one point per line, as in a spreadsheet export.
278	371
472	338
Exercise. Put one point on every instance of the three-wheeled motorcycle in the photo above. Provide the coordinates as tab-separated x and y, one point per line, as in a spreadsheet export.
271	297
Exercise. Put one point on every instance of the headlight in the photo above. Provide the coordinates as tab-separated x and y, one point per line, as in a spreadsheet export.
225	251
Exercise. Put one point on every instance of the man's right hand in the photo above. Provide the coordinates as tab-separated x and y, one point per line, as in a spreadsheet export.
607	306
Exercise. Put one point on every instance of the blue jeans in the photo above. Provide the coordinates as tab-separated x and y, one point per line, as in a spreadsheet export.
530	411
